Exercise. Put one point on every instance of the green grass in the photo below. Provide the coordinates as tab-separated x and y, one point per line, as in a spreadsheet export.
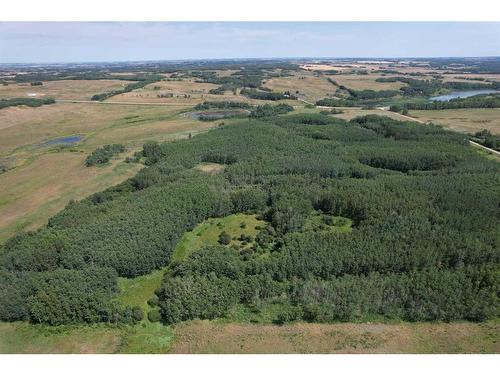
22	337
137	291
207	233
146	338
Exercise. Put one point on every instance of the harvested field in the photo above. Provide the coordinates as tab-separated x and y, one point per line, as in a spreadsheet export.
467	120
366	82
64	89
310	87
212	337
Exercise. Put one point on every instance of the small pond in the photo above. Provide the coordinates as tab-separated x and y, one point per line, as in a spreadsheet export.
63	140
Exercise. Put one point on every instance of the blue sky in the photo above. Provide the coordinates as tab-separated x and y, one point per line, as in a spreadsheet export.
132	41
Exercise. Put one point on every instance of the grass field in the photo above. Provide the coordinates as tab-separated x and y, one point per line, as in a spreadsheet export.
310	87
468	120
365	82
64	89
220	337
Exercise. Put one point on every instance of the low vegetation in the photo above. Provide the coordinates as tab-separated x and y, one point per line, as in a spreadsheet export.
30	102
102	155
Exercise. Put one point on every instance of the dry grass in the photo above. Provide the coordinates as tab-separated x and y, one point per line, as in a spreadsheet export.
23	126
308	85
65	89
212	337
366	82
468	120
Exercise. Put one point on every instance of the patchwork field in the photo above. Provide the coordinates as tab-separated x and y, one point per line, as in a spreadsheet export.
310	87
469	120
365	82
64	89
186	92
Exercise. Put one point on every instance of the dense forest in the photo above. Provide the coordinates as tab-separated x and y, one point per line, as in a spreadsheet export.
423	244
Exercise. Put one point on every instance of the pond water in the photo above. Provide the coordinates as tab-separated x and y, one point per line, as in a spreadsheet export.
462	94
63	140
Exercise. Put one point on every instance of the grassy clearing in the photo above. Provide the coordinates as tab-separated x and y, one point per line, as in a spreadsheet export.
467	120
207	233
211	168
322	222
137	291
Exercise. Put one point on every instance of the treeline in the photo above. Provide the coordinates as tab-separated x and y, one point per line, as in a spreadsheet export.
127	88
221	105
476	101
76	75
30	102
485	138
423	243
268	110
102	155
267	95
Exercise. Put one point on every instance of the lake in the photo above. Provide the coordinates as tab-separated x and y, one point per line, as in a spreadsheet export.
461	94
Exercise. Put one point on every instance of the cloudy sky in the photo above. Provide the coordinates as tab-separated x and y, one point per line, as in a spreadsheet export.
133	41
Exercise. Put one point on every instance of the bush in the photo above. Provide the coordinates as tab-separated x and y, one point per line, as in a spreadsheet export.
137	314
154	316
102	155
224	238
153	301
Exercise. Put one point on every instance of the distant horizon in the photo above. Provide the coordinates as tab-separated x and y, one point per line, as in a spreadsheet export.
250	58
108	42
